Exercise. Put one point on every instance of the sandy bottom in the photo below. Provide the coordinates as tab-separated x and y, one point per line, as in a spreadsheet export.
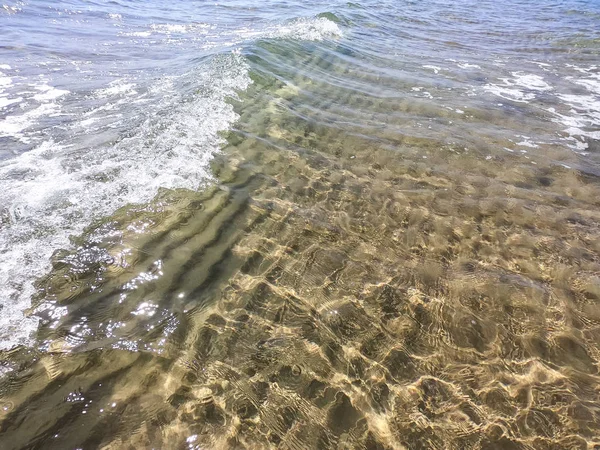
345	284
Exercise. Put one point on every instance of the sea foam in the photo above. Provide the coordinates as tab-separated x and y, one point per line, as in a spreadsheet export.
48	194
55	190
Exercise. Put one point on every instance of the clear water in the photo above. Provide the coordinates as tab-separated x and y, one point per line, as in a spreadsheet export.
252	225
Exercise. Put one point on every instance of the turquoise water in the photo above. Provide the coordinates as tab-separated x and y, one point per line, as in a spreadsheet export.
359	225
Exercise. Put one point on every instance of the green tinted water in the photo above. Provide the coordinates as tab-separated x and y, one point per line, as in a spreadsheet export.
373	268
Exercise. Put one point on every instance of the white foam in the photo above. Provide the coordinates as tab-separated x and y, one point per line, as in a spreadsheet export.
468	66
436	69
4	67
527	142
576	144
521	88
36	102
583	119
507	93
309	29
585	70
15	125
138	34
588	104
4	102
54	191
86	123
5	81
544	66
48	93
118	87
313	29
169	28
574	131
592	80
592	83
530	81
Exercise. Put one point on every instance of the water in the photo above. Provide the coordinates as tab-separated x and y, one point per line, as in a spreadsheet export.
360	225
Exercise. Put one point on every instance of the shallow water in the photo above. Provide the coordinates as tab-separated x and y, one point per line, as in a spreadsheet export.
368	225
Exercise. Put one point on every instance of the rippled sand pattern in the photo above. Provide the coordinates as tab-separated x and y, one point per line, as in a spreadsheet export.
346	284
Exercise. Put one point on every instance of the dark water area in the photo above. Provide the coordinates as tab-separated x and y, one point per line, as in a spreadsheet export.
367	225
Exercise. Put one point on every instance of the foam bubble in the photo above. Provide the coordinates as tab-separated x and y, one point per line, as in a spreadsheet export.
38	101
170	28
574	143
589	104
521	88
118	87
4	102
15	125
468	66
526	142
309	29
5	81
513	94
48	93
313	29
592	83
583	119
54	191
530	81
138	34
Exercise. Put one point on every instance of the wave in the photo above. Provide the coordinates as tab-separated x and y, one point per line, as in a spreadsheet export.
209	37
52	192
58	188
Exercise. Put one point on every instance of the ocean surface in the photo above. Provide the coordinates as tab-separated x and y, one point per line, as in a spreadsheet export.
284	224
